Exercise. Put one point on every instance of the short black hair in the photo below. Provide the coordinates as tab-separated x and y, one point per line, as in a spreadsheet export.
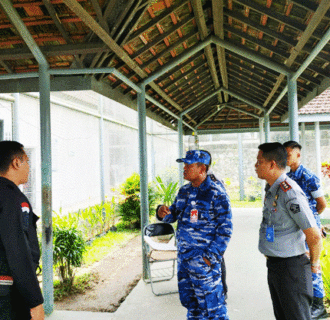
292	144
8	151
207	166
274	151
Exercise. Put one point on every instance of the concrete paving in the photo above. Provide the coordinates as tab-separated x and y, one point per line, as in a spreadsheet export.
248	295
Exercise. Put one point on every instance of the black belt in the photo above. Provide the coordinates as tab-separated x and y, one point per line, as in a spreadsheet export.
279	259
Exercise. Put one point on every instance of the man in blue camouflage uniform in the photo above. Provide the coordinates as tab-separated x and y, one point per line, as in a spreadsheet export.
311	186
203	212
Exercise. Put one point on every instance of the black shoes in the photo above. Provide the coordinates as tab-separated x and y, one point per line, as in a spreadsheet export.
318	310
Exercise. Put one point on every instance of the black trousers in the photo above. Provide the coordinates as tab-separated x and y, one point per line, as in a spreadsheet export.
291	288
12	304
5	305
224	275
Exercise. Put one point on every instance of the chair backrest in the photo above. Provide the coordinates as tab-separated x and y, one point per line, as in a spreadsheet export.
158	229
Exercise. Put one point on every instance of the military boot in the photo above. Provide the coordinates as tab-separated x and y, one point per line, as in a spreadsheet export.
318	309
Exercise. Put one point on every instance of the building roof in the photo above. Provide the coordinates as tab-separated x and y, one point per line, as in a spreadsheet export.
221	64
319	105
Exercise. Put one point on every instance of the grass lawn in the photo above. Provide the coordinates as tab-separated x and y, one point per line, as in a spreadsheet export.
104	245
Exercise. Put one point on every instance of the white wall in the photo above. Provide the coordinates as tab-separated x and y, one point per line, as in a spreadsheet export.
75	125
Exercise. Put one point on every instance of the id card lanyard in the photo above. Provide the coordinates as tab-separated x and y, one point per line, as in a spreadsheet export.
270	232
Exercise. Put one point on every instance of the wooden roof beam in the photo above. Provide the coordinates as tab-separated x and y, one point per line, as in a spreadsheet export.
316	19
274	34
104	36
190	84
231	122
16	20
156	20
217	11
212	114
6	66
60	27
162	36
49	51
244	99
201	24
278	17
252	55
99	14
254	73
309	5
202	101
98	59
179	67
266	30
256	83
185	74
191	34
195	94
244	111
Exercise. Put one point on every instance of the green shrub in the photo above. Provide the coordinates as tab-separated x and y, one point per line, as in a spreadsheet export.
110	214
69	247
166	193
91	221
70	220
129	208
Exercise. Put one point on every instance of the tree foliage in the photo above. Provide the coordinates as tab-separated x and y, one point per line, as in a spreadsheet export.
69	247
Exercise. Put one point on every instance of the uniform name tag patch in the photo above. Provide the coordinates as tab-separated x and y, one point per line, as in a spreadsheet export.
194	215
294	208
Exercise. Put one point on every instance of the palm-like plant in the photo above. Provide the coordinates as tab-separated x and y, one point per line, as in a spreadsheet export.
167	192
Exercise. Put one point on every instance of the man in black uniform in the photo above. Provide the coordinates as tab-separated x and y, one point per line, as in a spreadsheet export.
20	294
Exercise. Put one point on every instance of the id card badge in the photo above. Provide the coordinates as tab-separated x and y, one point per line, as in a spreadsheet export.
194	215
270	234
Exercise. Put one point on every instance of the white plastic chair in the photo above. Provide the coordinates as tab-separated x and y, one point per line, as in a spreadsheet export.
160	245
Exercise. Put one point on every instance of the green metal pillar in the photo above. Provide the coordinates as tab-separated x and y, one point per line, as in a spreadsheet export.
303	142
143	171
267	128
46	187
262	140
293	109
261	130
180	139
318	149
15	117
102	175
240	167
152	152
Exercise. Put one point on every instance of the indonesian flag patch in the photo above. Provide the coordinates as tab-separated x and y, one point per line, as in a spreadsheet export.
6	280
25	207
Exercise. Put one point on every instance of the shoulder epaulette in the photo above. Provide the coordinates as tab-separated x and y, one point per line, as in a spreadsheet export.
285	186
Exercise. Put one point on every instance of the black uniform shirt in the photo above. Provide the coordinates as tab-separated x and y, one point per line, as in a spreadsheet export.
19	248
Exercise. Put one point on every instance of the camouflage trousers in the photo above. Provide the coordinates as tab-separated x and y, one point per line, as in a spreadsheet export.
318	289
201	289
